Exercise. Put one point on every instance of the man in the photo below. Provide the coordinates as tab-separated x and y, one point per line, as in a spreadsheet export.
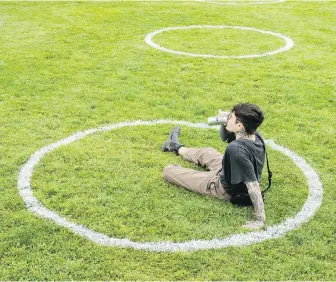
238	170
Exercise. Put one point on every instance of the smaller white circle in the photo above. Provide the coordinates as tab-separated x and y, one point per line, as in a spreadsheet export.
149	41
243	3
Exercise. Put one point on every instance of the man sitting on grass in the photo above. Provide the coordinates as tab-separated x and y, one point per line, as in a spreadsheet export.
237	171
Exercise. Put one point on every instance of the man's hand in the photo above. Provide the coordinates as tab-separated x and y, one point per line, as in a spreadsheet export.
220	119
223	114
254	224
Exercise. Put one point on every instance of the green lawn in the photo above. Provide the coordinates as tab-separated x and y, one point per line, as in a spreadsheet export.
70	66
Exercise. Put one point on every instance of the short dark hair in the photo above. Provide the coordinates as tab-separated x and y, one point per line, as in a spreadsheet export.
250	115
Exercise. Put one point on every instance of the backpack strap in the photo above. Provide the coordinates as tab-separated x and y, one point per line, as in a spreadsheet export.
268	169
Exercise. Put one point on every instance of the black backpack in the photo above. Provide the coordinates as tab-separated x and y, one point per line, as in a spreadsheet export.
243	199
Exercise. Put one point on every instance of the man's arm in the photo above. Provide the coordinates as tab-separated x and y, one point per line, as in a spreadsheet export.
225	135
253	189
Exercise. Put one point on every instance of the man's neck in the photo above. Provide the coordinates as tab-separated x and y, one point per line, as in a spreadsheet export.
243	135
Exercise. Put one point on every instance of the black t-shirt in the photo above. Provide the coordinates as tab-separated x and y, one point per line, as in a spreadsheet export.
243	161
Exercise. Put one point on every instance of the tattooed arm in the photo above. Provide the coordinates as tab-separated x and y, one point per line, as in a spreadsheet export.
258	204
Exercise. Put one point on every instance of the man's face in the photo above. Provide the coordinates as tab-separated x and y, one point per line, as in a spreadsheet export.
233	125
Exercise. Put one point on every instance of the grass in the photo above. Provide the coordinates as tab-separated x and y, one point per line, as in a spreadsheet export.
69	66
99	192
219	42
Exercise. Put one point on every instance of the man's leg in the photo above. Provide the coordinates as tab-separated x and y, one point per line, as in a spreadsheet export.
207	157
210	158
203	182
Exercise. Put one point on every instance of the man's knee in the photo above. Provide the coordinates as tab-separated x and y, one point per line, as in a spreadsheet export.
206	151
209	149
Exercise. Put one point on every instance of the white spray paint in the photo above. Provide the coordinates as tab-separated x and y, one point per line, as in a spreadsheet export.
289	42
34	205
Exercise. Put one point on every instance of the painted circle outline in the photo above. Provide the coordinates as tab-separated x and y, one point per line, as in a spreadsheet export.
246	3
289	42
308	210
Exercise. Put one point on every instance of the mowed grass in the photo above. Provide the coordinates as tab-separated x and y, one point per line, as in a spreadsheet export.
69	66
222	41
123	195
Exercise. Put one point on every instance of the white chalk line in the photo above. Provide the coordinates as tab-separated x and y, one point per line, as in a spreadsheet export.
149	41
243	3
308	210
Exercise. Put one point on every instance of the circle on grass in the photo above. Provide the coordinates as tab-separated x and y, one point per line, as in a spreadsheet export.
288	42
308	210
243	3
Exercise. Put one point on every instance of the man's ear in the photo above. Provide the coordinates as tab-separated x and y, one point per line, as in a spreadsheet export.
240	125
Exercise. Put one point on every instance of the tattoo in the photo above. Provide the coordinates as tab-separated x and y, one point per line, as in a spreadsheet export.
242	134
257	201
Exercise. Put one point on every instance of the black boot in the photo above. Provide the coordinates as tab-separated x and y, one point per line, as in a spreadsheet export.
172	144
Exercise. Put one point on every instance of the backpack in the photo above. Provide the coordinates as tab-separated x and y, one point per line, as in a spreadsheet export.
243	199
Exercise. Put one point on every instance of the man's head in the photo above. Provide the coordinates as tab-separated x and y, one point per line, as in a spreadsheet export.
247	116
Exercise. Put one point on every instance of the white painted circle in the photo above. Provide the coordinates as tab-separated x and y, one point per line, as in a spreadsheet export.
243	3
308	210
289	42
